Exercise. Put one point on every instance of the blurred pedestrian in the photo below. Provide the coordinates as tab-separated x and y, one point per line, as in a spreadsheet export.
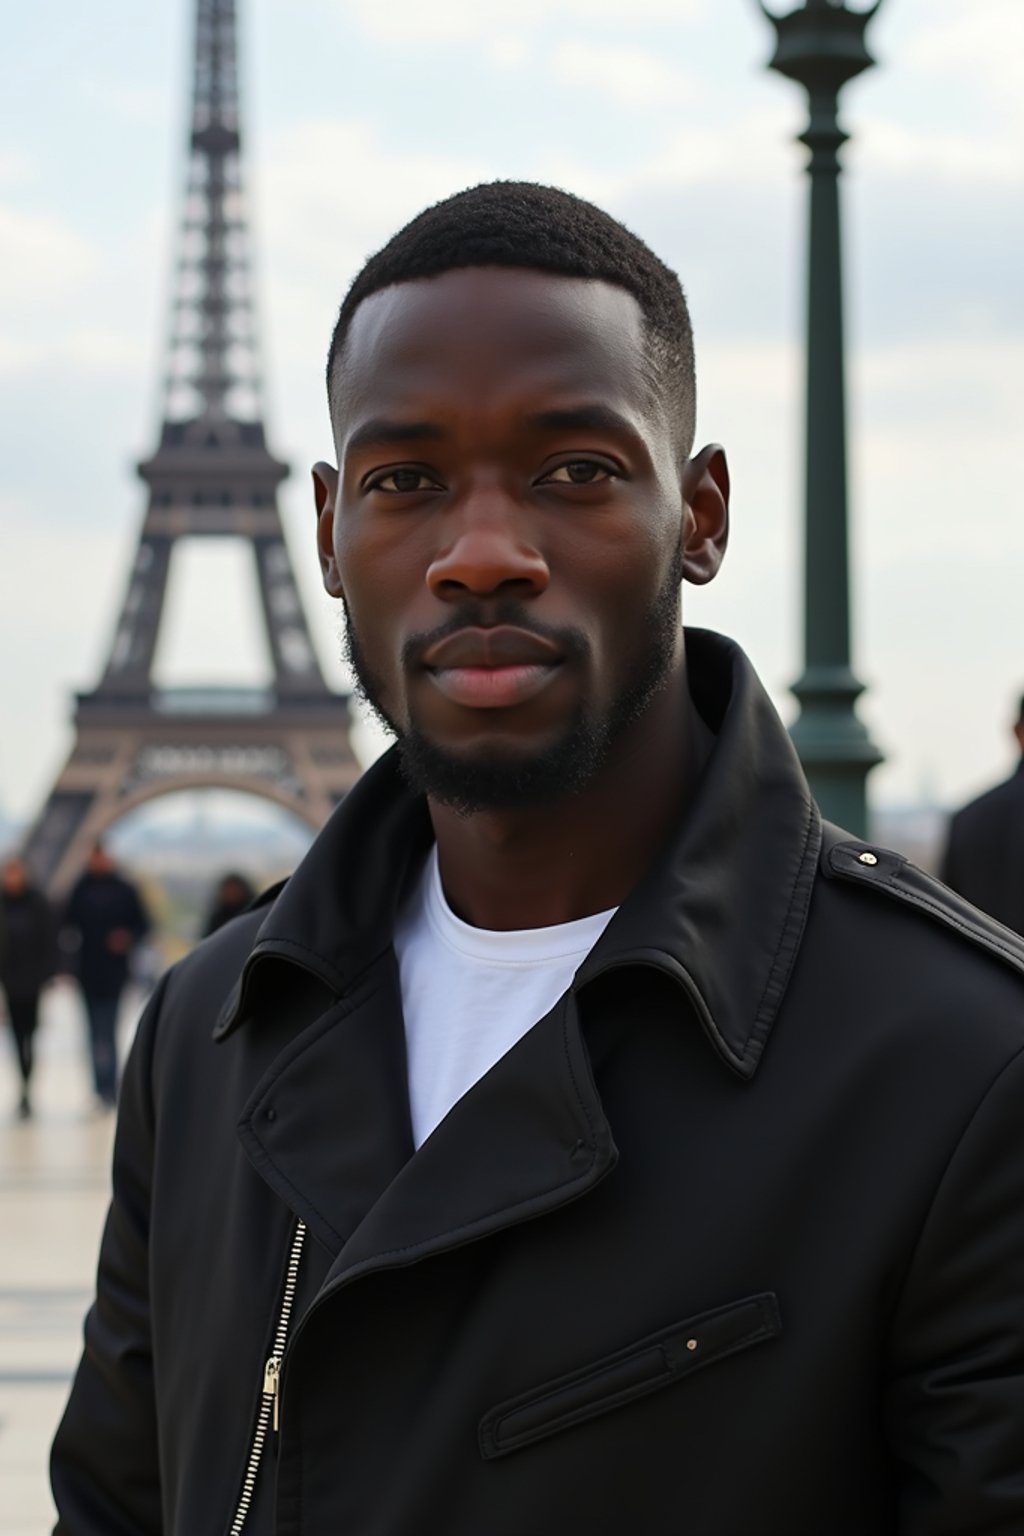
28	960
107	918
984	857
233	894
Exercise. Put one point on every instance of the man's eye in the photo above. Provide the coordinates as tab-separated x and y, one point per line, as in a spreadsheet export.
579	472
402	480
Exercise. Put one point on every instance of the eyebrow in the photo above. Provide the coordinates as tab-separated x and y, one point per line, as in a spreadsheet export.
381	432
583	418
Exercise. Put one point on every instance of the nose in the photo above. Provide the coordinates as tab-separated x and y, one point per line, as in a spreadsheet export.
489	550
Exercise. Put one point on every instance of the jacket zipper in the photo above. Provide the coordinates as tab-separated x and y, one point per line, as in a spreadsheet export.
270	1394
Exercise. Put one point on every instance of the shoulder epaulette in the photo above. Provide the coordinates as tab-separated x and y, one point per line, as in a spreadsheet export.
893	875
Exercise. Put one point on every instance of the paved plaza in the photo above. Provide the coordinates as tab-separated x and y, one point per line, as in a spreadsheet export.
54	1182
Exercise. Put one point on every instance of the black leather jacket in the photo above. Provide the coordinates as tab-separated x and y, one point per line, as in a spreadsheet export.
732	1242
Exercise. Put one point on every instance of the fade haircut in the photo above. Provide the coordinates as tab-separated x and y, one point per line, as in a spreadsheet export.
522	224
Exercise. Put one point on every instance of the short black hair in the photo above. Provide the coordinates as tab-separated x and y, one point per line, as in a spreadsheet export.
522	224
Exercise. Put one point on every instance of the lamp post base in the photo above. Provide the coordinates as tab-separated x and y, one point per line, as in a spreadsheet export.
834	746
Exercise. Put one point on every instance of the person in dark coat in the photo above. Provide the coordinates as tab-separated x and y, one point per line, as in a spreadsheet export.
587	1137
233	894
106	919
984	855
28	960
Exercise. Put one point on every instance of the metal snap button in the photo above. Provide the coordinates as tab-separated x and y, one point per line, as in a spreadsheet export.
867	858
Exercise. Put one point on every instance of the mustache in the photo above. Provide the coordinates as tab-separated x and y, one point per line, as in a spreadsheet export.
572	643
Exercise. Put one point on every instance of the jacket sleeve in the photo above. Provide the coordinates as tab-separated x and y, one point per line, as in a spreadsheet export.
104	1465
955	1400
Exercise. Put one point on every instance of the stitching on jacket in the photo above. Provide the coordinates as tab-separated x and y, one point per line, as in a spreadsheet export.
975	934
572	1074
617	1399
301	1199
493	1442
667	965
978	936
466	1226
260	952
762	1017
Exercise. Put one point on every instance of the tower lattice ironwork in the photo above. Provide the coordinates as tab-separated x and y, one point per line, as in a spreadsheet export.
212	475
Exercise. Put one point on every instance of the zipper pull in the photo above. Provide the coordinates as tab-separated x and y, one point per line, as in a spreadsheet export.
271	1386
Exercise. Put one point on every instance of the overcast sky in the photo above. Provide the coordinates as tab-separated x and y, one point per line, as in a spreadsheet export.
357	113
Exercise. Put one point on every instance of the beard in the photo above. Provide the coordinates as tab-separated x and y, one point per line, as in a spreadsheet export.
568	764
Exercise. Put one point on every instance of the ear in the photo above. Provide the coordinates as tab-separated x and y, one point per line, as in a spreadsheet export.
706	525
325	495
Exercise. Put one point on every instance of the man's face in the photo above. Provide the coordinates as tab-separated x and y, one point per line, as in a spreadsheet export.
507	527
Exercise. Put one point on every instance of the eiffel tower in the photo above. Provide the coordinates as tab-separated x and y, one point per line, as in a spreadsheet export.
212	475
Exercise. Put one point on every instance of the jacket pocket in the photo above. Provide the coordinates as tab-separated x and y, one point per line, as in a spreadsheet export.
646	1366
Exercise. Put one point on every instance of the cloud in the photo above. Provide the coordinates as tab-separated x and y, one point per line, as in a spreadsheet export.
508	51
901	150
633	76
65	649
69	306
135	104
980	42
90	350
16	167
410	22
43	257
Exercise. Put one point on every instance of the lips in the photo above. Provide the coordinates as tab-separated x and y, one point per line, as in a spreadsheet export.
492	668
502	646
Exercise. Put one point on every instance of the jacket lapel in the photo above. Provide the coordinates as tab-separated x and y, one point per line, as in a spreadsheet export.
328	1129
722	911
328	1126
529	1137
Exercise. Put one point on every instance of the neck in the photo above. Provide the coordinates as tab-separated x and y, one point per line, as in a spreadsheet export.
536	867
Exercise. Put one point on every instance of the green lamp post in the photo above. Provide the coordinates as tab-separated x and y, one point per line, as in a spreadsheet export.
821	45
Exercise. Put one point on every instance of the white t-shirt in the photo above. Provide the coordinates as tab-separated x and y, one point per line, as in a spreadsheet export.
469	994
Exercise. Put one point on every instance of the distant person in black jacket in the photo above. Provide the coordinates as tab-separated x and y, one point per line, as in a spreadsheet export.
984	857
233	894
107	917
28	959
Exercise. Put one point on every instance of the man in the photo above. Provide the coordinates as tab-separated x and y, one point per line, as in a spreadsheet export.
28	959
232	895
106	919
584	1139
984	856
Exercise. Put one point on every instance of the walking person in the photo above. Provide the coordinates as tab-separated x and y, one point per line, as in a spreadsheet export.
28	959
233	894
984	855
106	917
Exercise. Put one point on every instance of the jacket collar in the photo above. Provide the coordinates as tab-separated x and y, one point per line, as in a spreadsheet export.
721	912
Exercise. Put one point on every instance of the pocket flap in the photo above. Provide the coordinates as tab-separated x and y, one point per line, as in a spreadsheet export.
646	1366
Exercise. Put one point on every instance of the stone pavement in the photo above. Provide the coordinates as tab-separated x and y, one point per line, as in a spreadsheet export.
54	1184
